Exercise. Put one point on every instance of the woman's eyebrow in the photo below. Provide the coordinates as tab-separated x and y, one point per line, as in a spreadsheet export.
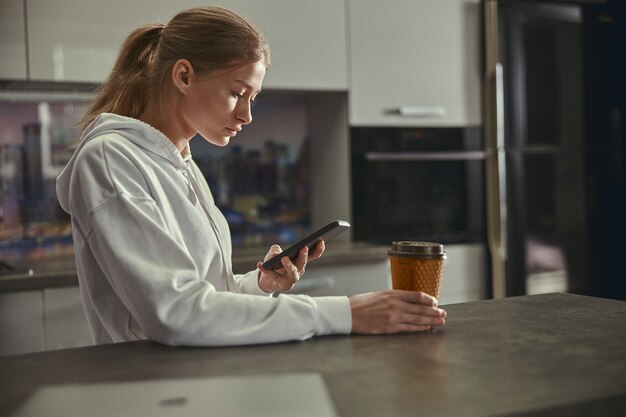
248	86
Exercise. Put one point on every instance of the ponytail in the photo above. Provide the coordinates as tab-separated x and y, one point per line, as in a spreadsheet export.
127	89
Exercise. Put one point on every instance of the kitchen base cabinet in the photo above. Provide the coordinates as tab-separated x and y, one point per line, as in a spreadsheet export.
66	324
465	274
21	322
48	319
344	279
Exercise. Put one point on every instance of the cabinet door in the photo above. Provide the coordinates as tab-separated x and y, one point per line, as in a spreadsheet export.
348	279
414	63
307	40
12	40
465	276
66	324
21	322
73	40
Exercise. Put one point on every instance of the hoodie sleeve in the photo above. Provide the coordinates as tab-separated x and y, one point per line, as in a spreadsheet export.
158	282
248	283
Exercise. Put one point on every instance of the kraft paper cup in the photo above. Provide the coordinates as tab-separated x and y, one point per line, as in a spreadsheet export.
417	266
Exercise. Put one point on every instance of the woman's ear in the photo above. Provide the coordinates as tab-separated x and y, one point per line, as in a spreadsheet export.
182	72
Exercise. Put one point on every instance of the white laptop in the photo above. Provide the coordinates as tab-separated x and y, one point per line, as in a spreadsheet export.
273	395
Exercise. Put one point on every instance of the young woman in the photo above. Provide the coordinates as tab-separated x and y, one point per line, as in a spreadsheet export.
153	252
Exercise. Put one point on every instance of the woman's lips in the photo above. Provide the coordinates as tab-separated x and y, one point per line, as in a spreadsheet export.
233	132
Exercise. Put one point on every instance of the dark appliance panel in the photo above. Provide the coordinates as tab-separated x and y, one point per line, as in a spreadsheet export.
418	184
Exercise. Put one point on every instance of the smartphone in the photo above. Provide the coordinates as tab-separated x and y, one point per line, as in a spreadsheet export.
325	233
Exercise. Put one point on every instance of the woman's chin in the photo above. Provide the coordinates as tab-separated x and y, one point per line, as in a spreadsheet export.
219	141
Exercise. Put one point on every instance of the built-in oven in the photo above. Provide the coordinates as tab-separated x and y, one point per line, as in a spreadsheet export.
425	184
418	184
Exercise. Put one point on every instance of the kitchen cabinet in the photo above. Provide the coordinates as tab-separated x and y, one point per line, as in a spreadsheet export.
349	279
12	40
66	324
77	41
307	40
21	322
44	319
465	276
414	63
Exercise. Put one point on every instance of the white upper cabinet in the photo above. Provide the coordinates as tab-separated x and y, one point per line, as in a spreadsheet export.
77	40
12	40
307	39
414	63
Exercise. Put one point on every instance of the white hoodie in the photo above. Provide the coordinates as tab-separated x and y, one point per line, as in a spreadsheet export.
153	252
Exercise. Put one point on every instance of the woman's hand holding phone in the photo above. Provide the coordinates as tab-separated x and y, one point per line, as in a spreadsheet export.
284	278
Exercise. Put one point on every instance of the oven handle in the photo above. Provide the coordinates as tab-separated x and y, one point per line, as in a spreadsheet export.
425	156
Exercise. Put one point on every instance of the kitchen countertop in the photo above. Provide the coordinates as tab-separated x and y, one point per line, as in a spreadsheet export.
539	355
61	271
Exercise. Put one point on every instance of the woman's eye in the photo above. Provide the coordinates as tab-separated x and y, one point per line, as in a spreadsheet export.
238	95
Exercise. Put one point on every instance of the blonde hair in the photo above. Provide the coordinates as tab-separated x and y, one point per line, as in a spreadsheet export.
209	38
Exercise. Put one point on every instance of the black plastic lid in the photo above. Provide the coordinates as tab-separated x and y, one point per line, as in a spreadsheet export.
417	249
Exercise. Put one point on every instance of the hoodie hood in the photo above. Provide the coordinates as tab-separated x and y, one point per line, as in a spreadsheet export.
136	131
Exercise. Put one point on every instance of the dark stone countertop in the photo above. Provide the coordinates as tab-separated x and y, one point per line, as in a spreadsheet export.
540	355
61	271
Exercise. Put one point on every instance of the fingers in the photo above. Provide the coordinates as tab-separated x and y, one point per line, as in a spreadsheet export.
394	311
283	279
421	308
407	327
291	270
287	276
303	257
416	297
274	250
317	251
422	319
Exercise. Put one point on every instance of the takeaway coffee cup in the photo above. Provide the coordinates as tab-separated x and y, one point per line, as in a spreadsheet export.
417	266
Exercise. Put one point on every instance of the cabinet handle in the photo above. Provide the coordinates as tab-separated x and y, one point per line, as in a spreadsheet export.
420	111
424	156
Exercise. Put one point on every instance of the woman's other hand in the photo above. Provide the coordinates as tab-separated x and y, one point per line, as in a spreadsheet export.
283	279
395	311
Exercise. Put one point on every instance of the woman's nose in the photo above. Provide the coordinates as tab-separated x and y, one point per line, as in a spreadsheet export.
245	113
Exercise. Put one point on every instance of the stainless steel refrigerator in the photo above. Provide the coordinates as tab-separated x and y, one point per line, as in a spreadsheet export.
554	146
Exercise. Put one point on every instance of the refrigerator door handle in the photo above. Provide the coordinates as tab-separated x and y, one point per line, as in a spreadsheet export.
501	158
494	146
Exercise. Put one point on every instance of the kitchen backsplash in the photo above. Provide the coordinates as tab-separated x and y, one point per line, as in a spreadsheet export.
261	180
